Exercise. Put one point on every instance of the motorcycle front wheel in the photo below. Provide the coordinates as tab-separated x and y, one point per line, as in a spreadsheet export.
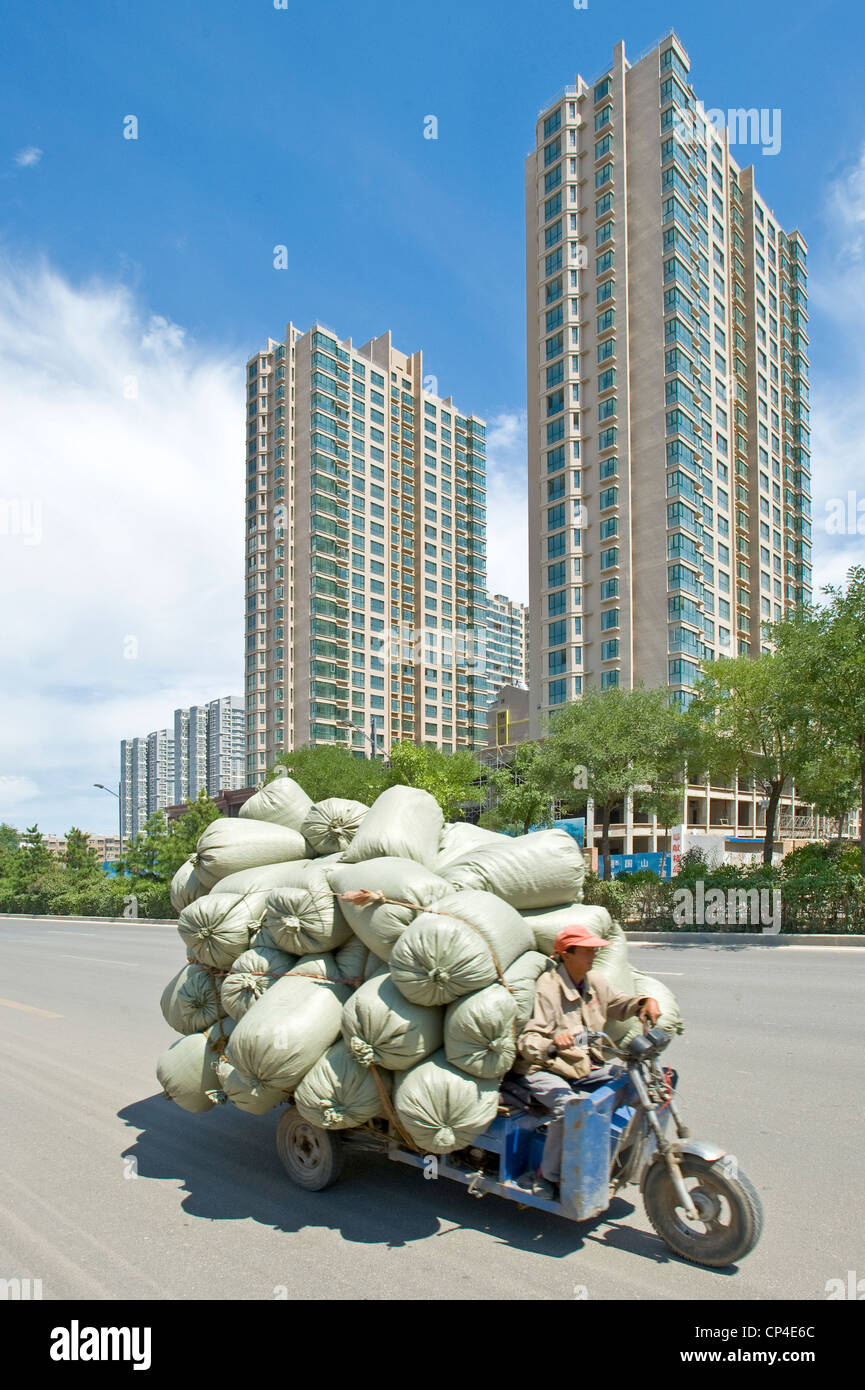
730	1214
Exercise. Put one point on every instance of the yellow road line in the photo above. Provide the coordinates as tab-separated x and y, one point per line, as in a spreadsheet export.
29	1008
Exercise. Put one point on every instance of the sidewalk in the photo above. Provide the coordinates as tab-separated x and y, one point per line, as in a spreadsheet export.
742	938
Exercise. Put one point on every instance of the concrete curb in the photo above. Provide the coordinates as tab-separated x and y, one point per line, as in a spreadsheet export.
739	938
639	938
111	921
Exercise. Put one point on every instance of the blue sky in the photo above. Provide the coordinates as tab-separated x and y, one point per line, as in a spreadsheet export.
304	127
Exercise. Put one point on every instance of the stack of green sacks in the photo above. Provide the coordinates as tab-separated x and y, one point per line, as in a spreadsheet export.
369	962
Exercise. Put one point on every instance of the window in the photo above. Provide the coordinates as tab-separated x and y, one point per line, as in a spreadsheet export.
552	151
557	692
555	346
556	603
557	662
604	234
552	207
603	117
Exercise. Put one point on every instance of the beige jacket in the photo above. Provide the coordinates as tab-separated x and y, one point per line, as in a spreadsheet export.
562	1007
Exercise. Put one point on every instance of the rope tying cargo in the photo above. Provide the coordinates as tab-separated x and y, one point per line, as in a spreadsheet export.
387	1106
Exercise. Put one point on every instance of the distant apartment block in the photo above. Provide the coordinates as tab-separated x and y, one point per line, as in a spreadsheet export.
668	409
226	744
191	752
507	639
204	752
365	552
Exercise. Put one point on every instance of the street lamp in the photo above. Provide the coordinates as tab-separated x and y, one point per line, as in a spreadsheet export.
103	788
371	736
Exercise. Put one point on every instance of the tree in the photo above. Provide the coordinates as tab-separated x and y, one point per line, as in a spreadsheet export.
623	741
827	648
450	777
523	796
80	856
142	853
331	770
9	838
33	857
830	783
755	721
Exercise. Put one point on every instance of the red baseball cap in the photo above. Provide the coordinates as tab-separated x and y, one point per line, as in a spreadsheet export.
577	936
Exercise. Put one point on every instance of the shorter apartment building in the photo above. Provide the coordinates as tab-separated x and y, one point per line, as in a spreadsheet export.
107	847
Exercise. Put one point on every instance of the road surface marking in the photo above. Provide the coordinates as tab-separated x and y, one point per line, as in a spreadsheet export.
102	960
29	1008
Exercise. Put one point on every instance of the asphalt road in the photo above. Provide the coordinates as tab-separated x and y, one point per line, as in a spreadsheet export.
110	1191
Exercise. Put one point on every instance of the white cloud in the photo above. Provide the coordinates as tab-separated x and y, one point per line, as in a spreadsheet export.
507	514
121	516
13	792
846	204
27	158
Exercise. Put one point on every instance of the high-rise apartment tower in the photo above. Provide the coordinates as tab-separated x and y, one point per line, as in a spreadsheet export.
365	552
669	463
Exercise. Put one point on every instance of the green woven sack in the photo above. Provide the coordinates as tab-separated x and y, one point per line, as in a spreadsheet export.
541	869
218	928
380	1025
338	1093
459	838
186	1071
459	948
403	881
279	1039
330	825
402	823
304	917
191	1000
263	877
282	802
481	1029
670	1020
442	1109
186	886
251	974
231	844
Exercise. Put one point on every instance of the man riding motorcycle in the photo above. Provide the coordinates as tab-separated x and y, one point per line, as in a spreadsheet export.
571	1002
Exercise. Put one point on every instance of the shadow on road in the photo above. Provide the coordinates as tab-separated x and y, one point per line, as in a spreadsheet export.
228	1165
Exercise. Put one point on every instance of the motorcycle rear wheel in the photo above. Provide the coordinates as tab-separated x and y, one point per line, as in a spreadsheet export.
731	1216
